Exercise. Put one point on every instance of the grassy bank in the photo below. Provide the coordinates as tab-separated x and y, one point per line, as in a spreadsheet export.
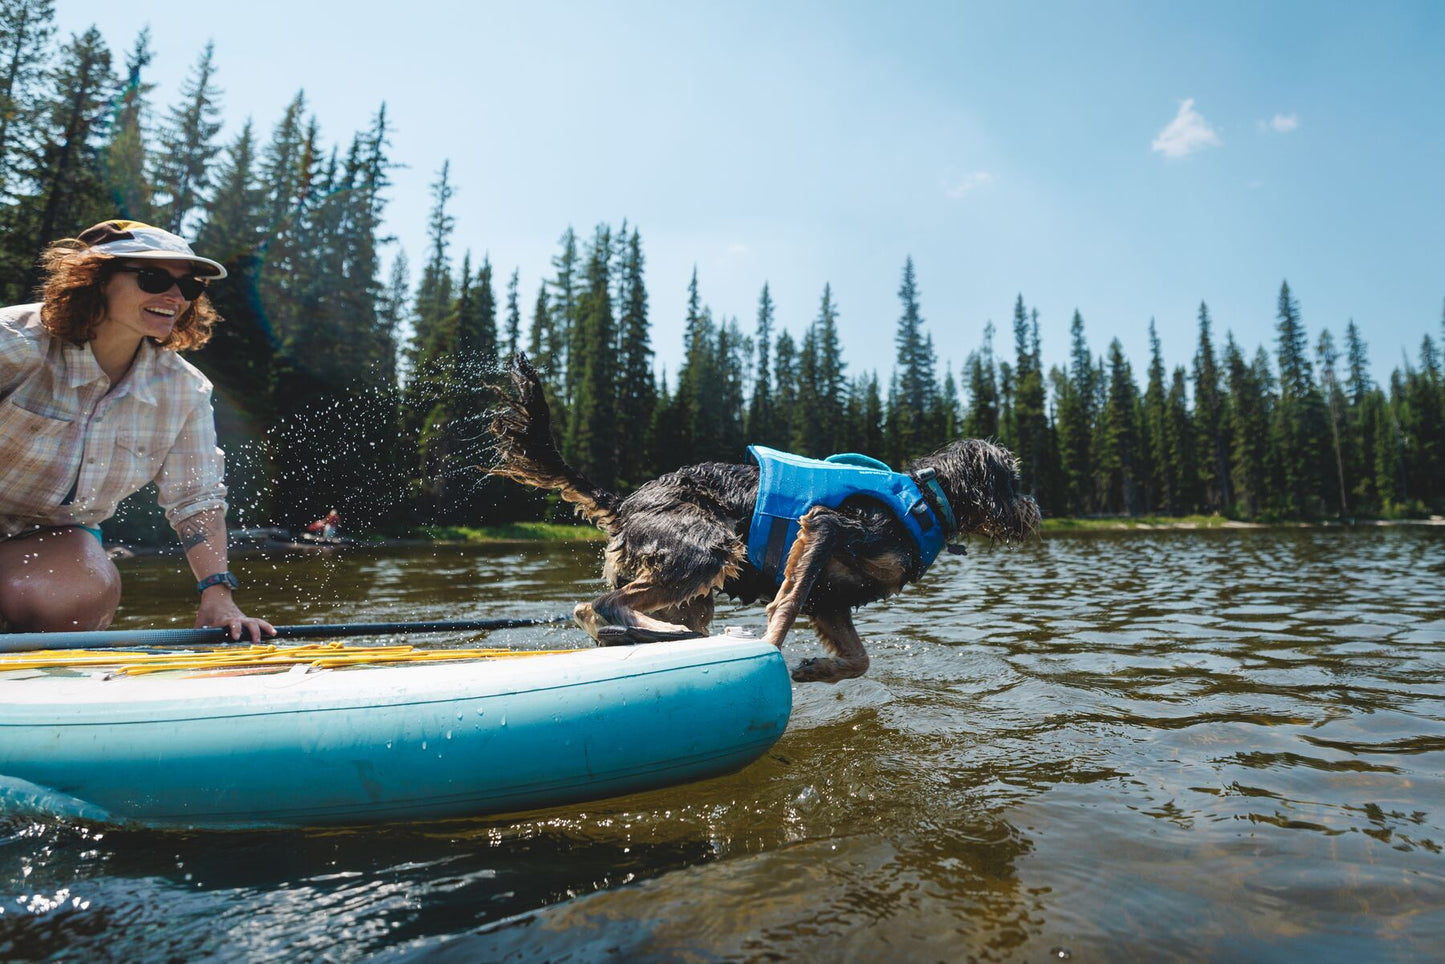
1071	524
513	532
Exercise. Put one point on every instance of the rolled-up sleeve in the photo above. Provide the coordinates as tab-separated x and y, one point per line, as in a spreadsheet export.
20	353
192	474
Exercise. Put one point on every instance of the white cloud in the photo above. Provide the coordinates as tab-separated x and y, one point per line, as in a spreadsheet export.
960	186
1186	133
737	248
1281	123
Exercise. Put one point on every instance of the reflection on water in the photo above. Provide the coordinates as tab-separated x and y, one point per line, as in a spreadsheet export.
1149	746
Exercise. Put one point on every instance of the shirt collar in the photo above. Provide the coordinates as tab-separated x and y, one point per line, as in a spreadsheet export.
82	369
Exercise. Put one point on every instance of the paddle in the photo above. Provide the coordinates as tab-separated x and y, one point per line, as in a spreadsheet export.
218	636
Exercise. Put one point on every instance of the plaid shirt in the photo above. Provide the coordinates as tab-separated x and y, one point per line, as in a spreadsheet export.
71	447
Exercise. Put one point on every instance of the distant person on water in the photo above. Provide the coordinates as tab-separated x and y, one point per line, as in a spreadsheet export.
96	402
326	527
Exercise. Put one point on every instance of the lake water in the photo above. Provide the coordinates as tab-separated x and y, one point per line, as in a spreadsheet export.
1213	745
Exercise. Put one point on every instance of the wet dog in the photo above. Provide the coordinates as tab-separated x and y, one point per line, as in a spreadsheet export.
679	538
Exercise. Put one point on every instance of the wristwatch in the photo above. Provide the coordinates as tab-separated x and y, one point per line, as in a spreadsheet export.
218	579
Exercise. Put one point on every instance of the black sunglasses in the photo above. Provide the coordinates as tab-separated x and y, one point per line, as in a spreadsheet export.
157	281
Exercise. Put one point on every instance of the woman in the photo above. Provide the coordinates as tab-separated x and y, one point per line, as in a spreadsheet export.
96	402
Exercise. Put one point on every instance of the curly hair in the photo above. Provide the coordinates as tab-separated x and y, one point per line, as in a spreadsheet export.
73	299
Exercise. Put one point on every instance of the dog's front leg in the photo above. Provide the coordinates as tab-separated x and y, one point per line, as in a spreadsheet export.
820	532
848	659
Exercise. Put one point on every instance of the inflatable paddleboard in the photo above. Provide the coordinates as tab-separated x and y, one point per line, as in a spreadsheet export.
303	745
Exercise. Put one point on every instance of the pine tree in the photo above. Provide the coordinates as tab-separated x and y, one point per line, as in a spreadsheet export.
62	170
1249	428
26	27
1211	417
1360	423
426	413
514	314
1335	403
914	365
982	420
187	144
540	339
948	402
477	329
240	359
435	320
808	429
1030	420
125	155
636	391
286	171
394	317
831	382
1120	445
761	422
1074	398
734	356
871	438
1155	460
699	381
566	293
591	441
1183	456
1299	425
1419	414
785	388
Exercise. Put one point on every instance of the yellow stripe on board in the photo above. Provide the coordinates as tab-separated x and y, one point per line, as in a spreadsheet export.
319	655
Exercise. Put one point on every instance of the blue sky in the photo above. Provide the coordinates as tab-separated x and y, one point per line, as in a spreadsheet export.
1124	159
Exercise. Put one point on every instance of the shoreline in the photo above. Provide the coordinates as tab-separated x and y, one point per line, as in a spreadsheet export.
526	533
1159	523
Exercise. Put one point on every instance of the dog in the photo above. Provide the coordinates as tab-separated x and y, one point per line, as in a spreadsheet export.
678	539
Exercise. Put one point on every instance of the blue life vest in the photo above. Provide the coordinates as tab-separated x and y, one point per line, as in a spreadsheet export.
789	485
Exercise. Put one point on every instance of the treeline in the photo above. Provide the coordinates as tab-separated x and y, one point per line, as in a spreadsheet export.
338	387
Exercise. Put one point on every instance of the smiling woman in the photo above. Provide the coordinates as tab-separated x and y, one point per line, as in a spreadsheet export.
96	402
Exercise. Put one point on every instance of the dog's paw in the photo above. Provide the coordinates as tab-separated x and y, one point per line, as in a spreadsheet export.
613	636
813	671
826	671
631	635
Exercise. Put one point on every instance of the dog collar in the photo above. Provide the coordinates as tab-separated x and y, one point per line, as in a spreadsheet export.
933	494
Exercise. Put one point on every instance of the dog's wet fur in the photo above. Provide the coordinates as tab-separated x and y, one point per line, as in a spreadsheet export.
681	537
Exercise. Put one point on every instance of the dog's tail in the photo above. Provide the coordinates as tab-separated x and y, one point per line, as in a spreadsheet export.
527	452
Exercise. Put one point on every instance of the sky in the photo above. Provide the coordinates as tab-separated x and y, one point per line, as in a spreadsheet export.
1125	160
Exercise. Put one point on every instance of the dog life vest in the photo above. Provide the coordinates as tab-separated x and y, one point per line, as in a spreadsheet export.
789	485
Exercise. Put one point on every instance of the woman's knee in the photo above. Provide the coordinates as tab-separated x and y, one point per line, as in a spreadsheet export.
57	585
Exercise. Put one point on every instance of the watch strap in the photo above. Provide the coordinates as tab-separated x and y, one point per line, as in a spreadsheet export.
218	579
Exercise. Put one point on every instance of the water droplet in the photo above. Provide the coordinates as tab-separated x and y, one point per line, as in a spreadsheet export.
423	744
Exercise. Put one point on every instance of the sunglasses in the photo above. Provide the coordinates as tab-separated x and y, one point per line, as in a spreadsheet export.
157	281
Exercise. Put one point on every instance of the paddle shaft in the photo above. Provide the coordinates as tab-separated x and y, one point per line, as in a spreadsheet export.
218	636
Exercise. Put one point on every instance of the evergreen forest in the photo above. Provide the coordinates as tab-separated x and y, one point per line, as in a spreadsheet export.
349	377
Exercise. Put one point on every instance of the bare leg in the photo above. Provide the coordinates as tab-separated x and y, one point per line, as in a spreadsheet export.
57	580
820	532
849	658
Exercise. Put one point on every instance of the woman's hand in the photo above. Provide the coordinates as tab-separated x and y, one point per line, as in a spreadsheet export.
219	609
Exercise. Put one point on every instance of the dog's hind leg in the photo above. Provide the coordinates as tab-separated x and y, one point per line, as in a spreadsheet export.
696	613
848	659
820	532
620	617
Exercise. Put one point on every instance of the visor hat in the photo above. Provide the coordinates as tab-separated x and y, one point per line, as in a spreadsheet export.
142	242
